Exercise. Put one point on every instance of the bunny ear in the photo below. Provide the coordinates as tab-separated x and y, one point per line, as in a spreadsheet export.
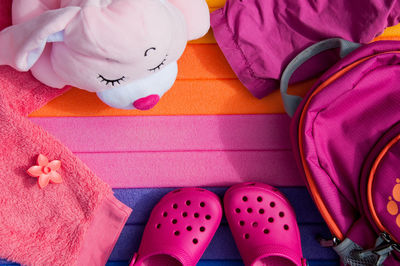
21	45
197	16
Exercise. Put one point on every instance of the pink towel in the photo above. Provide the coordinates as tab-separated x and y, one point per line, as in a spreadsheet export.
76	222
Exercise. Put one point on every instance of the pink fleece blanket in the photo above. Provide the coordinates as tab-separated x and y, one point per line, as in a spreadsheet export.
76	222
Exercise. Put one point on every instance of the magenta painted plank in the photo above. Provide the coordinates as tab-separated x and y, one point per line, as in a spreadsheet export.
170	133
196	168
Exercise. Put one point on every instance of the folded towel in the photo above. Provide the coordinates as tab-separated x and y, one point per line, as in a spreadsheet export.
76	222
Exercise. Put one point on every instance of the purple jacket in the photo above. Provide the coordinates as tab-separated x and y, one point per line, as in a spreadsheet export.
260	37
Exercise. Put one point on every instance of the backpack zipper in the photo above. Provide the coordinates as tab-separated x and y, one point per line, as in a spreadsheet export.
383	248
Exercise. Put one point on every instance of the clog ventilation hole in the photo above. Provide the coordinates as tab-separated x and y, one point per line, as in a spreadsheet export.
261	211
185	214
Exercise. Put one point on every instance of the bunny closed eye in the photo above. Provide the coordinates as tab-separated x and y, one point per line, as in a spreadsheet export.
159	66
112	81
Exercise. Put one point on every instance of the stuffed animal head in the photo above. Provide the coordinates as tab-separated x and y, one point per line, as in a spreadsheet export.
124	50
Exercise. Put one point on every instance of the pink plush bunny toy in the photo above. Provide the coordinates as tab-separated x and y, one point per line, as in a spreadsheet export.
124	50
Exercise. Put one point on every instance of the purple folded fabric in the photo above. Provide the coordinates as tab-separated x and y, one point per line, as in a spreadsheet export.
259	38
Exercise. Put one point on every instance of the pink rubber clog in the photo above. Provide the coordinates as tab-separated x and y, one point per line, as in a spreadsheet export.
180	228
263	225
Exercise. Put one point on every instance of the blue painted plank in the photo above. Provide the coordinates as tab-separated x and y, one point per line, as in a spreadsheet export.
220	263
215	263
142	202
201	263
238	263
324	262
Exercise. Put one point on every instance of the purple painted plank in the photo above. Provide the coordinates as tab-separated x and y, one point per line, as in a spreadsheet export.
170	133
142	202
222	247
193	168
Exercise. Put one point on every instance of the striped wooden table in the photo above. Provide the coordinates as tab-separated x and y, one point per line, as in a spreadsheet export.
207	131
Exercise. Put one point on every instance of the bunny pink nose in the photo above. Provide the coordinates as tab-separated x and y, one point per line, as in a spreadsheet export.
147	102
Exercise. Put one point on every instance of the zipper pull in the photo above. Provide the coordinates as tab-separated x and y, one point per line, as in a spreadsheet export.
328	243
388	240
384	245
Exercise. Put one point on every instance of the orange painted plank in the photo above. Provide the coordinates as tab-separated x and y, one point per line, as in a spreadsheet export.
216	3
204	61
387	37
392	31
187	97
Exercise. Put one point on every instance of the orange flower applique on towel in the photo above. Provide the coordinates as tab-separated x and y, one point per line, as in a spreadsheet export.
46	171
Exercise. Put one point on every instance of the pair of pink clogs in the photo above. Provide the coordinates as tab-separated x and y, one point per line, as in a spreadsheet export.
183	223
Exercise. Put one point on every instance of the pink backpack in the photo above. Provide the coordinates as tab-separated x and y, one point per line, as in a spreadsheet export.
346	140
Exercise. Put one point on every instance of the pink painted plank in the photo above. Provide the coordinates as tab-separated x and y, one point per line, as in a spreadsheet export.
197	168
173	151
170	133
